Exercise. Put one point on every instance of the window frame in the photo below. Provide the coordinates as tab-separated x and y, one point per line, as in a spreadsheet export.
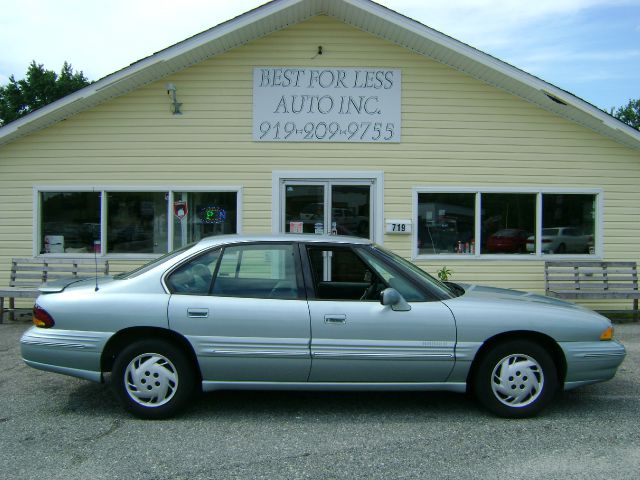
170	191
333	177
539	192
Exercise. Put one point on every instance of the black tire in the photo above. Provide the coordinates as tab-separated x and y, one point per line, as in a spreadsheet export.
527	384
562	248
153	379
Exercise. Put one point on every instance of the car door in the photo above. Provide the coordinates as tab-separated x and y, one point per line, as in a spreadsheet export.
357	339
245	313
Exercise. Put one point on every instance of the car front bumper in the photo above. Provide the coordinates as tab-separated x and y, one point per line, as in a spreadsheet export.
591	362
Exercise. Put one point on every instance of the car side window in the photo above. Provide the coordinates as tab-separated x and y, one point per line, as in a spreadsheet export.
257	271
194	277
339	274
408	290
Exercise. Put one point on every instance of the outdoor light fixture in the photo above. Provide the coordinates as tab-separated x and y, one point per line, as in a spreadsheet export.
175	105
318	52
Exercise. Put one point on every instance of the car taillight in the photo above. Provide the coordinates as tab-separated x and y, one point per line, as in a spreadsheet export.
41	317
546	240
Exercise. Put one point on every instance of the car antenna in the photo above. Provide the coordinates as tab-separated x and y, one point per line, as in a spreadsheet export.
95	259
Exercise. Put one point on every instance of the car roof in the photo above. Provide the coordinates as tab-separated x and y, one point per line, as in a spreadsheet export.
282	237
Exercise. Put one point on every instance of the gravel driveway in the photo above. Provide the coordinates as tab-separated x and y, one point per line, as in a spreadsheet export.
58	427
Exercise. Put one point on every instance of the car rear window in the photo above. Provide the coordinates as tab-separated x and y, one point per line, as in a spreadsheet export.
152	264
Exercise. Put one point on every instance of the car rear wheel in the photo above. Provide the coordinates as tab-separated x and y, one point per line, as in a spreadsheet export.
516	379
153	379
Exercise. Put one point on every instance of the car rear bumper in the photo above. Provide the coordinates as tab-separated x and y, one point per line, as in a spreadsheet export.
64	351
591	362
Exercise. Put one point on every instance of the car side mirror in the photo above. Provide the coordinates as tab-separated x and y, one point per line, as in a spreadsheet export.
392	297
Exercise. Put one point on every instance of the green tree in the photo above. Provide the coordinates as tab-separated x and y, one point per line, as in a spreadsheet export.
629	114
39	88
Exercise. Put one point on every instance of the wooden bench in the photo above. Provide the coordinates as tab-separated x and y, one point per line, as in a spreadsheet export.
593	280
27	274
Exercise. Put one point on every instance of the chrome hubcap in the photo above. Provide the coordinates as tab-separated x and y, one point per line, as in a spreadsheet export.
151	379
517	380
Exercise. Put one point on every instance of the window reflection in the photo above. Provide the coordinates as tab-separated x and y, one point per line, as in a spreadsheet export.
350	206
508	222
446	223
136	222
568	222
202	214
304	209
70	222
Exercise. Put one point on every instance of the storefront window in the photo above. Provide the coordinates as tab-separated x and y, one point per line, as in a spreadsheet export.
201	214
136	222
304	209
446	223
568	223
350	207
508	222
328	208
113	222
70	222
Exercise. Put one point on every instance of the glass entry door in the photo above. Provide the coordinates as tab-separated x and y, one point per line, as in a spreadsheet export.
328	208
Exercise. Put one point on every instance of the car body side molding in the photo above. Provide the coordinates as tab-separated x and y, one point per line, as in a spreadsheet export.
209	386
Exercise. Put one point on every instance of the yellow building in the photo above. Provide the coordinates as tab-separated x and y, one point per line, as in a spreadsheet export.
338	117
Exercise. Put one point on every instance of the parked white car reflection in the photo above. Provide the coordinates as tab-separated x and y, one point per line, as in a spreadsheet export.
562	240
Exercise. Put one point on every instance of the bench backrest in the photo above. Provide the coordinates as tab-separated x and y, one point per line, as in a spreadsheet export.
610	277
33	272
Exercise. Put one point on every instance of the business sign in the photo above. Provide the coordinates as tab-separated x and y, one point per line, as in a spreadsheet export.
180	209
296	227
326	104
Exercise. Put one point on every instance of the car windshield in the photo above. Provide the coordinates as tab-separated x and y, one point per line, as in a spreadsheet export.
550	231
152	264
431	283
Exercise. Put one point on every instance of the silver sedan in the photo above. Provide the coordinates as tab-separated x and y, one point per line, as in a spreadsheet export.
312	313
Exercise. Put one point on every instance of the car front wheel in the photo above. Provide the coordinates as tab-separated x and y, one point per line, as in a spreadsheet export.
153	379
516	379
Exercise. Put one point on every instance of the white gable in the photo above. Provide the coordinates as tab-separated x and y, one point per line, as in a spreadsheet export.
362	14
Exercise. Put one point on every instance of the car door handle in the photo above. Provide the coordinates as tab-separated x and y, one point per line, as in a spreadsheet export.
197	312
335	319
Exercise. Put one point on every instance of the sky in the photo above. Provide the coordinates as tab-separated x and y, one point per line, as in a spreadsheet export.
590	48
